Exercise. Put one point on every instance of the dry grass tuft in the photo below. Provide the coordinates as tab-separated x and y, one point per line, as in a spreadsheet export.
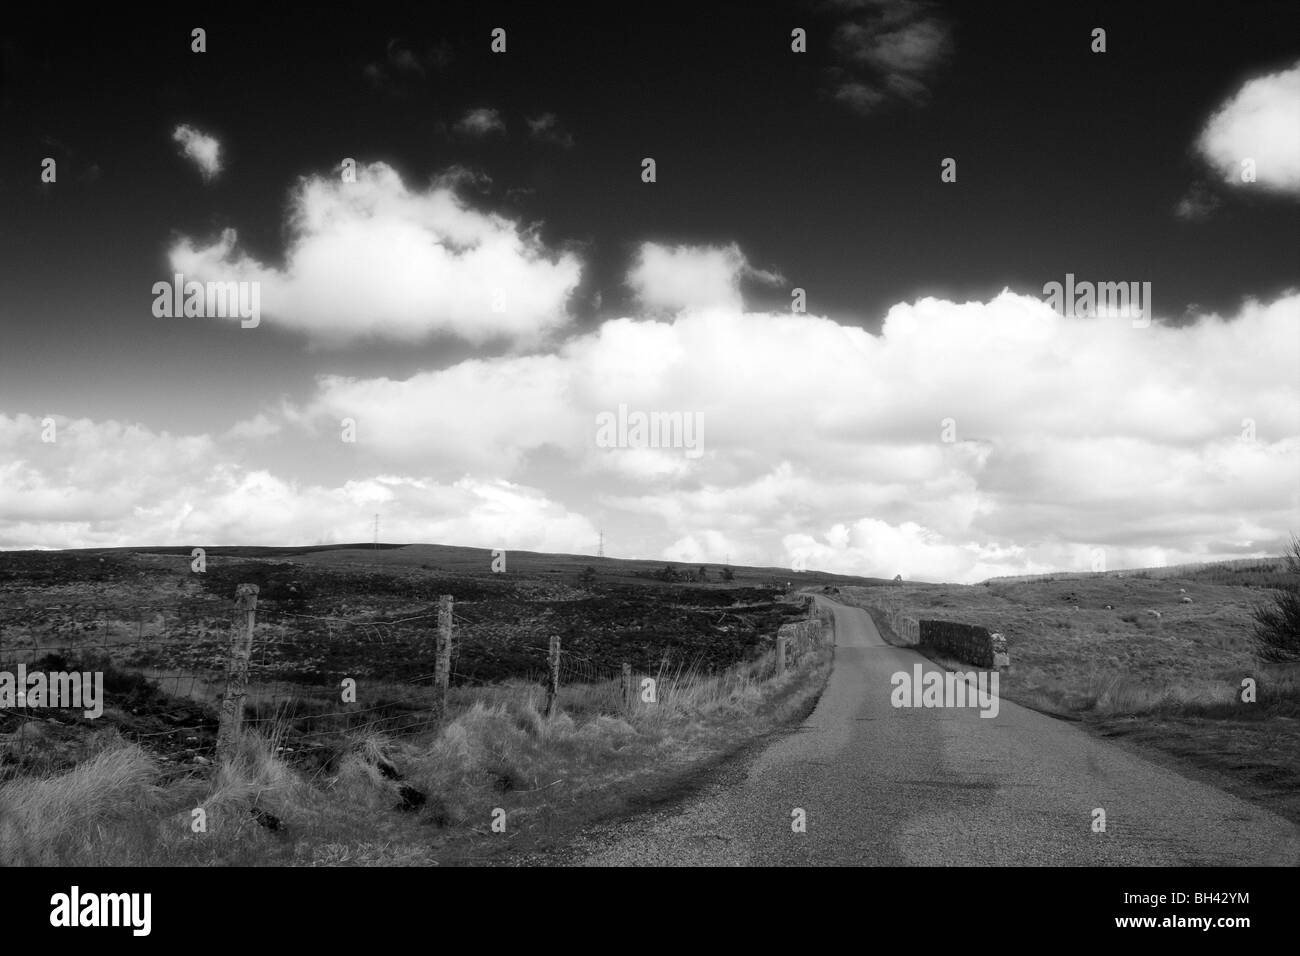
59	819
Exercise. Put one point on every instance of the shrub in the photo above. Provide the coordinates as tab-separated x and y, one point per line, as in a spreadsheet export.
1277	624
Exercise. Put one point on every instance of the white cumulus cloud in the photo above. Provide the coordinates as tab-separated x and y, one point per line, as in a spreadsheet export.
962	441
374	258
673	278
1069	433
1260	122
107	483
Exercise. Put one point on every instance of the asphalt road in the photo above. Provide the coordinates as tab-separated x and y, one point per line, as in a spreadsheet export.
881	785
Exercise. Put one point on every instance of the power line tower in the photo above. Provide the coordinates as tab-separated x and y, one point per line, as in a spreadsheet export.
376	532
600	547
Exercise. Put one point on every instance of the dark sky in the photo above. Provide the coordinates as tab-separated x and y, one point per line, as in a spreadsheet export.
817	170
1068	161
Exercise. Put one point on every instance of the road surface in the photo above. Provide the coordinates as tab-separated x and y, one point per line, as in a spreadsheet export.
881	785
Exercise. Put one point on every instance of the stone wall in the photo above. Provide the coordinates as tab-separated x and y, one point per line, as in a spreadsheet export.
968	643
904	625
801	637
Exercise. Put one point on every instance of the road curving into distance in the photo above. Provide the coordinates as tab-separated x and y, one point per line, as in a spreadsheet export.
880	785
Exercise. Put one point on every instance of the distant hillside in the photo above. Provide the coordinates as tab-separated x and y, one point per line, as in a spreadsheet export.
476	561
1243	572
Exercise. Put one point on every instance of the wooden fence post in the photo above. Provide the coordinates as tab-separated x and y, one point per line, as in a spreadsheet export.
553	687
442	659
241	647
780	655
626	686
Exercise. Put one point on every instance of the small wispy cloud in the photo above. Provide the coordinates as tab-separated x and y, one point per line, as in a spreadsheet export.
1199	202
458	176
402	69
887	50
858	96
403	60
547	129
201	149
481	122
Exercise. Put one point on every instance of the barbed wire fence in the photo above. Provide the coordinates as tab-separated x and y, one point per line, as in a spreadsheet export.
183	679
161	657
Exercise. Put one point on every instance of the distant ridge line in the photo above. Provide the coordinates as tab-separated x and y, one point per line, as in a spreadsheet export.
1166	571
